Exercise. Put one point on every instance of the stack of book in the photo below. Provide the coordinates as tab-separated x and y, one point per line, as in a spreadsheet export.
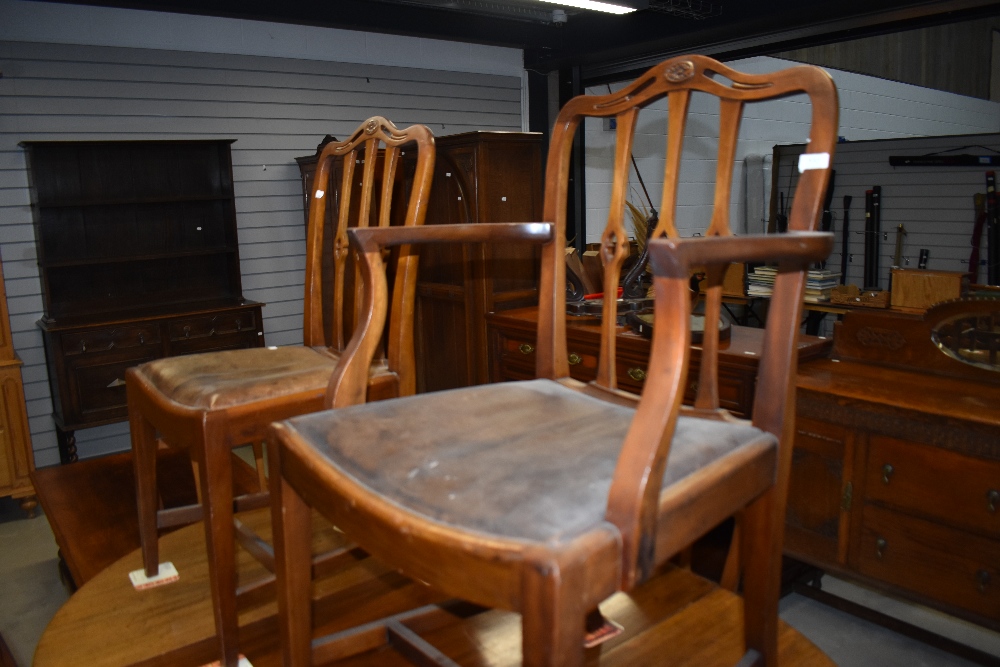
760	281
819	283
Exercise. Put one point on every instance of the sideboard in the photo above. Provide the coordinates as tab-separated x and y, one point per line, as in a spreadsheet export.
896	470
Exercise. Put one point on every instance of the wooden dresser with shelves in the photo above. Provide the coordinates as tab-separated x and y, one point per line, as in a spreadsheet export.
896	471
139	259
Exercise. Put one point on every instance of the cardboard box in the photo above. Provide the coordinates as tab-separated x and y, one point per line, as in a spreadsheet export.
922	288
734	283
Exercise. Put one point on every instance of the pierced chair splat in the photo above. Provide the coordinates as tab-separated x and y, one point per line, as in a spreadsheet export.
210	403
547	496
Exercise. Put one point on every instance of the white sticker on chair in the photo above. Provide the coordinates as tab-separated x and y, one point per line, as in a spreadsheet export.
319	194
167	574
809	161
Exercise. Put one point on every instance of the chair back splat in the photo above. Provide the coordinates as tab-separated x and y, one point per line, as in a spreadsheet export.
362	149
547	496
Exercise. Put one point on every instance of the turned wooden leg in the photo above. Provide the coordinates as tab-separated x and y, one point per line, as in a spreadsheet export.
258	457
220	538
28	505
144	461
291	527
67	445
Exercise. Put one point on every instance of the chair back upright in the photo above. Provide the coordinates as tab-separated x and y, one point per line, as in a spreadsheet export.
635	490
376	142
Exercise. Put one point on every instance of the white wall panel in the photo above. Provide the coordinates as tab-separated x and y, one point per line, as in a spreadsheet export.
870	108
274	108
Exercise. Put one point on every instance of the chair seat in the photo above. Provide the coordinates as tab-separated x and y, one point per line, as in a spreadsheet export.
450	455
219	380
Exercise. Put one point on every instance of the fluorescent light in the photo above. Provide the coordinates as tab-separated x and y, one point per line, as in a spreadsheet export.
594	5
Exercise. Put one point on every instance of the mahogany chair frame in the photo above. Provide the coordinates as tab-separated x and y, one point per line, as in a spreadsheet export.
556	584
274	387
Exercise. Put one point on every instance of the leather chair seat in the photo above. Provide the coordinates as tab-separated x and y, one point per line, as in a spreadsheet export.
236	377
446	467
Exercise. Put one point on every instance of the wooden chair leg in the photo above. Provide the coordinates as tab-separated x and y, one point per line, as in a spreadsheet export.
290	519
144	447
730	579
552	619
220	536
761	555
258	457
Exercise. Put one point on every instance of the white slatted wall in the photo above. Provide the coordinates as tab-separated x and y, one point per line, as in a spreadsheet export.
934	204
870	108
275	108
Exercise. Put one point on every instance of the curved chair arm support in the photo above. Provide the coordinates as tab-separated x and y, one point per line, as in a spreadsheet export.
350	379
633	498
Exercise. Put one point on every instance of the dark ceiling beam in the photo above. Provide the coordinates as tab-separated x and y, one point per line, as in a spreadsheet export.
632	47
366	15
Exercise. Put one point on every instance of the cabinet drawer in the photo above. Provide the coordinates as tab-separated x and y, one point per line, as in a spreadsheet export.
631	374
958	490
942	563
223	323
111	338
517	359
98	382
735	390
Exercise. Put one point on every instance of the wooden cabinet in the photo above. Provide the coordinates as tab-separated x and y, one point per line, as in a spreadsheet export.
512	352
139	259
896	470
479	177
17	459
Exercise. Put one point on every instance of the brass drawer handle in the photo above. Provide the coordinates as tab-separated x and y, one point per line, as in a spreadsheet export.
880	545
187	332
525	348
574	358
983	577
992	500
142	339
887	471
636	374
83	346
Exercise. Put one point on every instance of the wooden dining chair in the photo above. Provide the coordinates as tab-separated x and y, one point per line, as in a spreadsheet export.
547	496
210	403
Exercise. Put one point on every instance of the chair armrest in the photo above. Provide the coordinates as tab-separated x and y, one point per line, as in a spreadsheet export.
675	258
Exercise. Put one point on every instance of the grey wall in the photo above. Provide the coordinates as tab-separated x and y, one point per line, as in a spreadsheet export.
870	108
276	108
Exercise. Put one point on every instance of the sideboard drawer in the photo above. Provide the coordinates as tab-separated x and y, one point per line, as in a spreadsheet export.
97	383
223	323
110	338
941	563
958	490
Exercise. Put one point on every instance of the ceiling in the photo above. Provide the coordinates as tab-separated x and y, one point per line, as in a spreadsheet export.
601	45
